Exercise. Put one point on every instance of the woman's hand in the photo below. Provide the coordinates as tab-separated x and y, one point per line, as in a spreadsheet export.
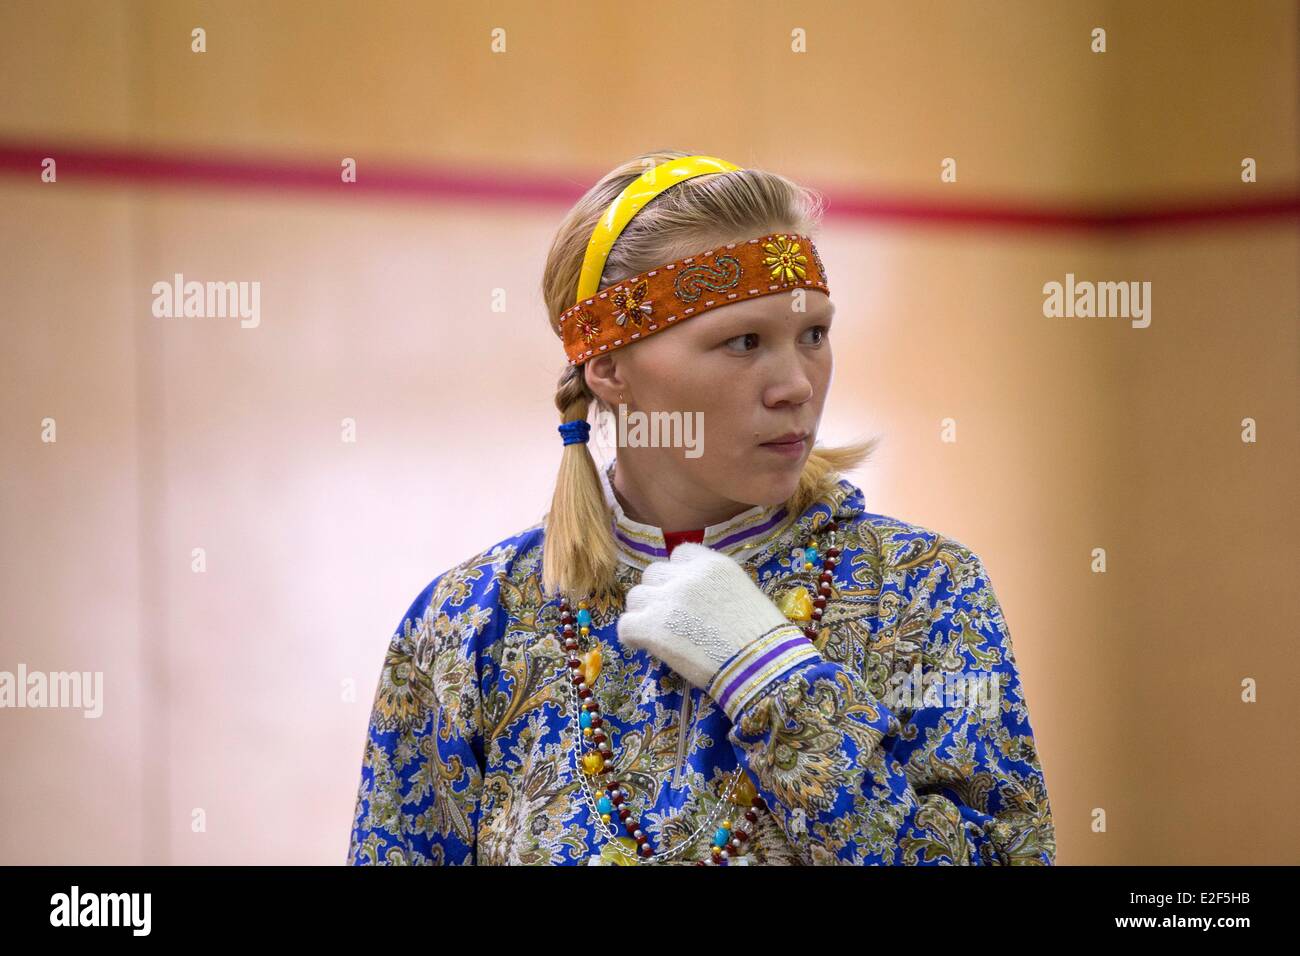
695	611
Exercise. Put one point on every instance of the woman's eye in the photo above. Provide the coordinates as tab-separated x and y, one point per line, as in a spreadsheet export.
748	339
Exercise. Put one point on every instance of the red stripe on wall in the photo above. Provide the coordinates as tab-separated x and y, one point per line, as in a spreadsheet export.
179	169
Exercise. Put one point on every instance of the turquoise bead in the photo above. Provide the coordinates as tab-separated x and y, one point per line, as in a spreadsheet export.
584	719
604	806
584	617
722	837
810	555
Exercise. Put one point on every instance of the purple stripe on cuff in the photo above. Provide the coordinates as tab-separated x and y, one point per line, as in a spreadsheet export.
767	658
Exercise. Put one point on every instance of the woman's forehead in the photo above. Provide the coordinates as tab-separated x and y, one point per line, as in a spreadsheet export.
800	303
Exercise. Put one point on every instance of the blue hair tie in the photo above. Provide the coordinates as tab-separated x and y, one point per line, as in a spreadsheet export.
575	432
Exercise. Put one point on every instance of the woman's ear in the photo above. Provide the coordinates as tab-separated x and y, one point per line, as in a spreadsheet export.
605	379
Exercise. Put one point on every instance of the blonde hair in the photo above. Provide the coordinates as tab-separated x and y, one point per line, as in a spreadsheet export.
579	556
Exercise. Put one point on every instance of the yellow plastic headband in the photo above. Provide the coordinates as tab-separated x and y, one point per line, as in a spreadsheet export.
629	202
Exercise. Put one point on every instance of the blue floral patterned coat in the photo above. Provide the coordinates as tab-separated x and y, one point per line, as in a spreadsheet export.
904	739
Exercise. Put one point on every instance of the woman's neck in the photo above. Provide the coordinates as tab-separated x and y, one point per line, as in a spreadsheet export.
661	507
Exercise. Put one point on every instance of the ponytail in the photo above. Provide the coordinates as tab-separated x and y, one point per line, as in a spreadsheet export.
578	555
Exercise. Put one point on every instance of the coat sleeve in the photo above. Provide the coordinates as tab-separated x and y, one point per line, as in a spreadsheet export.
940	768
421	769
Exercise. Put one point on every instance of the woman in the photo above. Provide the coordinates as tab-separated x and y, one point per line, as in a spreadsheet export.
708	652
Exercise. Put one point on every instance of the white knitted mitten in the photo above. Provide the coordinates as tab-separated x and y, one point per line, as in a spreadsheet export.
696	610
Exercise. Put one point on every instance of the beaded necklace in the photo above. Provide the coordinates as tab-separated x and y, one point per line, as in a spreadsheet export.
583	660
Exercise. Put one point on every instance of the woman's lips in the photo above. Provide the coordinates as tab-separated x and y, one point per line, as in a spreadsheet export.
790	449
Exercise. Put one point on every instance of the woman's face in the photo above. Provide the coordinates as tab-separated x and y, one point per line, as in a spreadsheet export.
747	374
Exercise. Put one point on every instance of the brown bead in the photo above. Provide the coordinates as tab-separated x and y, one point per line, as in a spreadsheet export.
585	692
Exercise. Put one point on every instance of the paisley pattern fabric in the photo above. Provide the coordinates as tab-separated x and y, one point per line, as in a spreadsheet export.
860	753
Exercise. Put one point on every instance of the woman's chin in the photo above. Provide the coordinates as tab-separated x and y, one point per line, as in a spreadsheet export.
772	487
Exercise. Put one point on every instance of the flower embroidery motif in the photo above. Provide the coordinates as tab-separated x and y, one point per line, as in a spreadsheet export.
785	260
588	326
631	304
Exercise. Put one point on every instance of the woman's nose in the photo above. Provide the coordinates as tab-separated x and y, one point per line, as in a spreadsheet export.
791	385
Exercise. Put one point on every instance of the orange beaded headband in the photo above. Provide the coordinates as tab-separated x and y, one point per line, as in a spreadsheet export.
647	303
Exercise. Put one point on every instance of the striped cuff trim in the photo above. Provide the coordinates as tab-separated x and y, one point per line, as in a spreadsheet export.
757	664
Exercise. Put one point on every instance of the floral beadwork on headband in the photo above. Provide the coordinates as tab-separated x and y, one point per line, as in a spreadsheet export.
587	324
785	260
652	301
631	304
